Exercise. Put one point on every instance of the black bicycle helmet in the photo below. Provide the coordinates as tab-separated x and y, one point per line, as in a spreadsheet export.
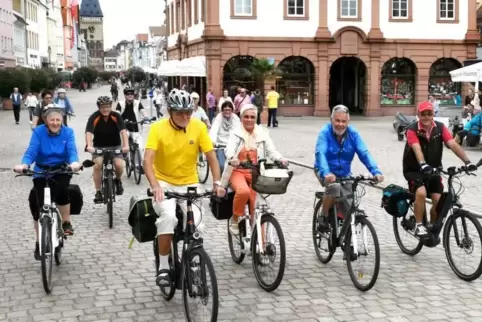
128	89
104	100
179	100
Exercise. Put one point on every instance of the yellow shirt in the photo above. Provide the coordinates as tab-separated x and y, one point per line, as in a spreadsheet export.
177	151
272	99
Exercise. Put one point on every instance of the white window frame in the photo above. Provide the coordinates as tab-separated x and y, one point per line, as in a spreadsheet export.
348	4
399	9
296	9
242	14
447	10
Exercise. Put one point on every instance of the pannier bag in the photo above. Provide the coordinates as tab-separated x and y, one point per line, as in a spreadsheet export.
271	180
76	199
142	219
222	208
394	200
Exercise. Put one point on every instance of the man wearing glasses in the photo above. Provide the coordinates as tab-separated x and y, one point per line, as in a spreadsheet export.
423	153
336	146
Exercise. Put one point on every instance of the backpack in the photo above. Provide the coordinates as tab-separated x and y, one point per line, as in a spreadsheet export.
394	200
257	101
142	219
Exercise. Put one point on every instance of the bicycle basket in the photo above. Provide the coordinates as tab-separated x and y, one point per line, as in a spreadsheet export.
222	208
142	219
394	200
271	179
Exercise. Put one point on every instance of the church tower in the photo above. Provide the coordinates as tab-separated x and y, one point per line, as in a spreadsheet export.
92	29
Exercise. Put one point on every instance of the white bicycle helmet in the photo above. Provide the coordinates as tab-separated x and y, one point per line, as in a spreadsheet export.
179	100
52	108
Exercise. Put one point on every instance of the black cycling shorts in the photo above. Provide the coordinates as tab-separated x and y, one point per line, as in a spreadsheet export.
59	193
433	184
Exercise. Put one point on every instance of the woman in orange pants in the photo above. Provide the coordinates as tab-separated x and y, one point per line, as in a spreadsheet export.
247	143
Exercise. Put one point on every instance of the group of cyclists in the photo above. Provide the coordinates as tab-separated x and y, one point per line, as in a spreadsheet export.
173	145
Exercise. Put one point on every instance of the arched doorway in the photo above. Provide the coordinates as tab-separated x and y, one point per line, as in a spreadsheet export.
397	86
440	84
237	72
297	83
348	84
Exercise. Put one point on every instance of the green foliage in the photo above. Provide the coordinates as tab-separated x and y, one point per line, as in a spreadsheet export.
106	76
136	74
262	69
54	77
13	77
86	74
39	80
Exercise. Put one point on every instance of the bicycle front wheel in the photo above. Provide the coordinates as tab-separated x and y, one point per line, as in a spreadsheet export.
136	165
321	241
198	271
465	242
202	168
128	165
274	248
46	258
365	248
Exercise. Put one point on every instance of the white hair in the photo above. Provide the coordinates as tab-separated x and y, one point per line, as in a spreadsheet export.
340	108
248	107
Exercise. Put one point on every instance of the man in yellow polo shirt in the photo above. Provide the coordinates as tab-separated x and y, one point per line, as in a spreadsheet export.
170	164
272	99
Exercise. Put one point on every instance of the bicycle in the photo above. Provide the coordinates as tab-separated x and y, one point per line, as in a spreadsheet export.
108	172
265	252
49	225
343	228
202	165
134	158
182	270
449	209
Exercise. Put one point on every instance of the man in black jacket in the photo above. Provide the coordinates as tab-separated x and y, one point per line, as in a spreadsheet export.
423	153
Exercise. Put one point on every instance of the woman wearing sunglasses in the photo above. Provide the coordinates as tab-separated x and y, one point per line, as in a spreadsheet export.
247	143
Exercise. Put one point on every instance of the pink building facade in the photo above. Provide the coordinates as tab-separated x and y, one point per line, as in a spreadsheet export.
7	57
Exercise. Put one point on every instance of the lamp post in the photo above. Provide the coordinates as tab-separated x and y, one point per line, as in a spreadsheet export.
50	53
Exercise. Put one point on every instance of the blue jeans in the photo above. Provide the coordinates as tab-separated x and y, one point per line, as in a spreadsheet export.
211	114
221	158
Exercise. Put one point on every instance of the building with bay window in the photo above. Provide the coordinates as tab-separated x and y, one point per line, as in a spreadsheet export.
378	57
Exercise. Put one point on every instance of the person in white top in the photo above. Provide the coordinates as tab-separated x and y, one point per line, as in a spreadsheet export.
223	99
159	102
31	102
198	111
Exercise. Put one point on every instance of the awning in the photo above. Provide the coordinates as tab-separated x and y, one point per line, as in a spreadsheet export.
168	68
20	18
192	67
472	73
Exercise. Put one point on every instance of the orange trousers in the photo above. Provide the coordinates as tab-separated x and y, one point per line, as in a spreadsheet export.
240	182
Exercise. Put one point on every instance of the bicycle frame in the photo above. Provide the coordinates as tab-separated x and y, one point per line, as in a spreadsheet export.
48	209
108	171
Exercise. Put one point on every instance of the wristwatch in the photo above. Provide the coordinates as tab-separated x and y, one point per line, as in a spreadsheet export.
218	183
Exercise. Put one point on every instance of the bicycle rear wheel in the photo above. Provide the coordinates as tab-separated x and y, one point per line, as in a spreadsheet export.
271	253
202	168
109	194
237	256
194	284
136	166
405	227
363	251
46	249
324	253
464	243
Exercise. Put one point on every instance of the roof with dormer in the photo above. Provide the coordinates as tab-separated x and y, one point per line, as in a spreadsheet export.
91	8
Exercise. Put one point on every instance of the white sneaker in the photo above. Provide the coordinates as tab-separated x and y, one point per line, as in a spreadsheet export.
420	231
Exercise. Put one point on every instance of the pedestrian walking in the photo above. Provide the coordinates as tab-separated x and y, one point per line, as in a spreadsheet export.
16	98
211	102
31	102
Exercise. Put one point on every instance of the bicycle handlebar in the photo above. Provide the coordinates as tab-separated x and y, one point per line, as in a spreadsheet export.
62	170
356	179
190	196
141	122
453	171
252	166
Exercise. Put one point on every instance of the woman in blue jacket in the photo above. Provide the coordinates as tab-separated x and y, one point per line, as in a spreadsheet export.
52	145
471	131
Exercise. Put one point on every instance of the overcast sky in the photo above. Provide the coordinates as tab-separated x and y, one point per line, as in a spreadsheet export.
123	19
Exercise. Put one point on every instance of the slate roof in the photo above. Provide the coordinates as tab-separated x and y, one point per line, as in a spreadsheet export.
91	8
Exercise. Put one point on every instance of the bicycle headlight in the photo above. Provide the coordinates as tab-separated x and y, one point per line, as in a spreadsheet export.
109	166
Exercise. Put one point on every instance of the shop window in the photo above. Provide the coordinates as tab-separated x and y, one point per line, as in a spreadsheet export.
237	73
398	82
296	84
440	84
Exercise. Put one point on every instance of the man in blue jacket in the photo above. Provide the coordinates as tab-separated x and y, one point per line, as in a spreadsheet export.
471	131
336	146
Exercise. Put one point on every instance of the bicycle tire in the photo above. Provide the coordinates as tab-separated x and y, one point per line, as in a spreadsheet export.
460	213
166	294
206	165
185	292
46	247
58	249
237	259
110	200
314	231
364	221
137	166
403	248
128	165
282	251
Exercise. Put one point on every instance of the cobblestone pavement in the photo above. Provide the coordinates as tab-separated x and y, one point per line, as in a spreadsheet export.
100	279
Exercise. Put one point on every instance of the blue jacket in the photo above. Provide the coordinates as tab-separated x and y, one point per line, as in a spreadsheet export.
474	125
336	158
51	150
69	109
